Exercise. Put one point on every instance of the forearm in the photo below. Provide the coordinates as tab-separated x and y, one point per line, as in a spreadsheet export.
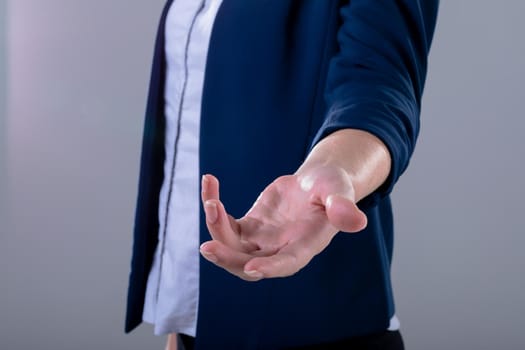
360	154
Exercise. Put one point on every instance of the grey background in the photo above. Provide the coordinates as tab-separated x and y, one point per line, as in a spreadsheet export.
70	141
3	111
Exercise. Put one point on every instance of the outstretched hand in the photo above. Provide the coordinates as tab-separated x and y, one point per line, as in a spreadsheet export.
294	219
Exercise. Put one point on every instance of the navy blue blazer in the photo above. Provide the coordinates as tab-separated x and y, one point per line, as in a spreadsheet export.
280	76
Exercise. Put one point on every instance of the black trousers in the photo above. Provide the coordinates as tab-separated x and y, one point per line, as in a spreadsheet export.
380	341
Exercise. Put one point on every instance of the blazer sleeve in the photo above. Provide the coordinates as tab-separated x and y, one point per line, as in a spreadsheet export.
375	81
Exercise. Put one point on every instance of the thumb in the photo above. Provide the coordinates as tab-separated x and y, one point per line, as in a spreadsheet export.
344	214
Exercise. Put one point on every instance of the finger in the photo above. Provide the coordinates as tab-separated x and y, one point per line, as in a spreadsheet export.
229	259
219	224
261	235
209	188
284	263
216	213
344	214
292	257
224	227
210	191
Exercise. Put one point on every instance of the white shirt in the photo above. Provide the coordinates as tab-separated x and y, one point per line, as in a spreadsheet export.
172	293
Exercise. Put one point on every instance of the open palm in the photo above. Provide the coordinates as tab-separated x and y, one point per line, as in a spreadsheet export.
294	219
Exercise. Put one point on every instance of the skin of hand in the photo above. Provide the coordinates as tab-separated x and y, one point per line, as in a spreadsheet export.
297	216
171	342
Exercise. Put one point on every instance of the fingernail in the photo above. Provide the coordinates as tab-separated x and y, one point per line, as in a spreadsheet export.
206	253
209	256
210	208
254	274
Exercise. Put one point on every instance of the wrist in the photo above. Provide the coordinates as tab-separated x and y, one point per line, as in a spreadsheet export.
361	156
